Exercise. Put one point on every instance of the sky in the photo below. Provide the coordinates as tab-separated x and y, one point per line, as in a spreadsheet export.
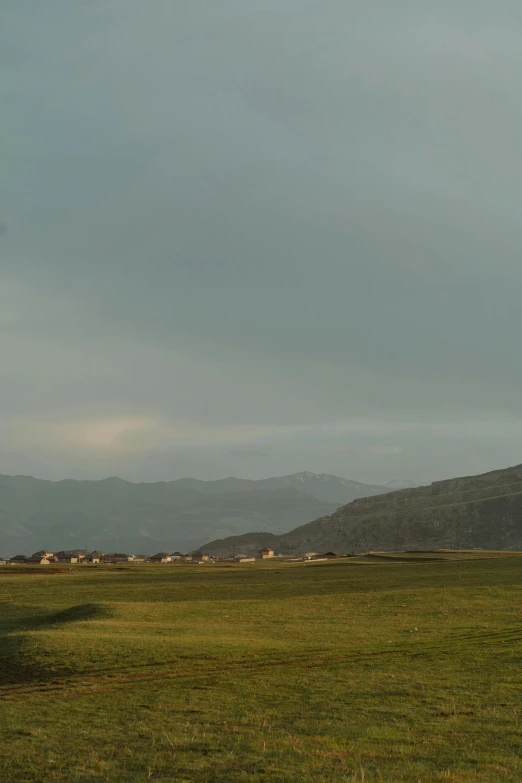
254	237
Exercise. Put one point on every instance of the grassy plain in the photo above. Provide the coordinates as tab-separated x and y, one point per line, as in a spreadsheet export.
375	669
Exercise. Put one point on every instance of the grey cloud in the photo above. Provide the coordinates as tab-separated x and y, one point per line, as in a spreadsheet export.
248	453
284	213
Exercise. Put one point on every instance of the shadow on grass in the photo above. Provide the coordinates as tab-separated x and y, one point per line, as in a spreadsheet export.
35	622
79	613
24	659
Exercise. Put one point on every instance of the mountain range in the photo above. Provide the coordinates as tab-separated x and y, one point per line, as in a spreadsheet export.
113	514
475	511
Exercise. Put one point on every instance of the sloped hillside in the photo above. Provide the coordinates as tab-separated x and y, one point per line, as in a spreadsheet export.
472	511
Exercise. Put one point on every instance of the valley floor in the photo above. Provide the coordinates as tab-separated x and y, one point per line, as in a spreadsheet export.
374	669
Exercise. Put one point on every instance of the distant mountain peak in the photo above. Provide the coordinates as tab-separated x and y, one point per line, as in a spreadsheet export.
307	475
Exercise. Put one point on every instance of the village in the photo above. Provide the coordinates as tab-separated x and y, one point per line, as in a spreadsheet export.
74	557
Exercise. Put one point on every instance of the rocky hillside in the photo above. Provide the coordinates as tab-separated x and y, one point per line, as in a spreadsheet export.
473	511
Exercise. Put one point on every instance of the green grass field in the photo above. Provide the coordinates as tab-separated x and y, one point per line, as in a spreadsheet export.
370	669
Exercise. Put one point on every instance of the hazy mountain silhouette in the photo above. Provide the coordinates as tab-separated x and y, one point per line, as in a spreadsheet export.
116	514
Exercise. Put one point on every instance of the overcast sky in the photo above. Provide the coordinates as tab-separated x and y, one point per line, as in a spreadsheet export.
253	237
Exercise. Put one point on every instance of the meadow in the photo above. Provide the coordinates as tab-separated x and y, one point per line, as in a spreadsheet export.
384	668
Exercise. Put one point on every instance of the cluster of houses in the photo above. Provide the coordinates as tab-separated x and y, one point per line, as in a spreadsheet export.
44	557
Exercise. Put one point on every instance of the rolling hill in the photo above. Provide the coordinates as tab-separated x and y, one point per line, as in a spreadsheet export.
473	511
